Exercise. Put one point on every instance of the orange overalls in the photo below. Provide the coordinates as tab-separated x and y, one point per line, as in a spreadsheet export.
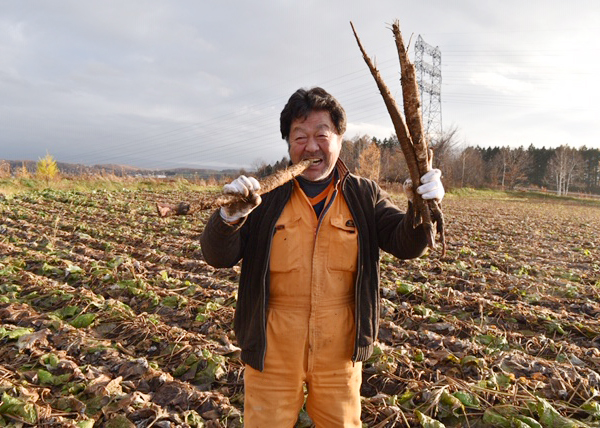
310	320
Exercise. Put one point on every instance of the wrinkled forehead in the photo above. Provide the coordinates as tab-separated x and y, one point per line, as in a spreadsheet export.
302	127
315	121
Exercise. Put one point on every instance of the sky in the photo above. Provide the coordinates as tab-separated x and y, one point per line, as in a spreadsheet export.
188	83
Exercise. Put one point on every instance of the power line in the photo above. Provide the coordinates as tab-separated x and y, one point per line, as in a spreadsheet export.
214	138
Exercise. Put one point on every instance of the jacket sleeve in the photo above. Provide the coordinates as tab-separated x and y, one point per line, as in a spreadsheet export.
395	232
222	243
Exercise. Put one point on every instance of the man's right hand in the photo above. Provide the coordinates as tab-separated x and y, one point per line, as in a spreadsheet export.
246	188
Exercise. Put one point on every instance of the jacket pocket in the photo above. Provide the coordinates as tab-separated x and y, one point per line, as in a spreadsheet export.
286	246
343	244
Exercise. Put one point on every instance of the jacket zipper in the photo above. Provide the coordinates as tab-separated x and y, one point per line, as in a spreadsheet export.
264	284
356	283
264	311
322	216
359	276
323	213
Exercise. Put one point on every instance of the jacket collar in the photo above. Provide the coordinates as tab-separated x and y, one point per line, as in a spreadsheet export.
342	169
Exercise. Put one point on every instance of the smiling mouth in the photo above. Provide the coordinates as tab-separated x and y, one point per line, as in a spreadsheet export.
316	161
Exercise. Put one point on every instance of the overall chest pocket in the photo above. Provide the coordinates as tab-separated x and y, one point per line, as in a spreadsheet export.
343	244
286	246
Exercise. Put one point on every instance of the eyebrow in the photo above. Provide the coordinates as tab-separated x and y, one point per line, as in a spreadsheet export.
320	127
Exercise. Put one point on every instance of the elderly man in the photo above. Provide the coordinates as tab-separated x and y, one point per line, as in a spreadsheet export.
308	299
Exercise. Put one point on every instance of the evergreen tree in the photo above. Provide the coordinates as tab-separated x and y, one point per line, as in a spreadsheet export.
540	159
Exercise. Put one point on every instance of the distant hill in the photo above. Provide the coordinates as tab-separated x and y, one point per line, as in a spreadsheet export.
123	170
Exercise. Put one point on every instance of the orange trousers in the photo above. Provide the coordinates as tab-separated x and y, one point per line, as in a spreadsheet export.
310	321
312	348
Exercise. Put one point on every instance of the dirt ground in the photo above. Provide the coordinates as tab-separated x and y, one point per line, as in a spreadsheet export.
109	316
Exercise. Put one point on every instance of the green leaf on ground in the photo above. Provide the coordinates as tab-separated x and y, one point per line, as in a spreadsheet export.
550	417
427	422
83	320
19	408
468	399
14	333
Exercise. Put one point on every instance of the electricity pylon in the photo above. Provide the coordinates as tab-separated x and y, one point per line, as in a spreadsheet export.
429	79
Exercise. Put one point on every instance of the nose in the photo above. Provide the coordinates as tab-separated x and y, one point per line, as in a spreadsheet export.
312	145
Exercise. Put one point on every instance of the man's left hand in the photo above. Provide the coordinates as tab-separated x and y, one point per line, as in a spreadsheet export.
431	185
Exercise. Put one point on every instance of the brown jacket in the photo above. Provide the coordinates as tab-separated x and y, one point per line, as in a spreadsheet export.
380	224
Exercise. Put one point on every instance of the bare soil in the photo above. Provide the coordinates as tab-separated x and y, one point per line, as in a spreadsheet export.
109	316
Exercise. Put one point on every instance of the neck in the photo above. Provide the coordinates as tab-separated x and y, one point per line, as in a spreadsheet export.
313	188
321	181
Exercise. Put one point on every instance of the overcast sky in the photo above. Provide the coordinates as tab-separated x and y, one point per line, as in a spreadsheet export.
201	83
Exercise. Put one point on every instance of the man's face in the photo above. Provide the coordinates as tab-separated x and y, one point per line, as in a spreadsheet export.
315	138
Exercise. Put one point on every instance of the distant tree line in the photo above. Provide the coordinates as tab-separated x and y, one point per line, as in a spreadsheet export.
562	169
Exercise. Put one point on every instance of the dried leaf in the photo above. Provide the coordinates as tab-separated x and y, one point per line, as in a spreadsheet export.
29	340
70	404
193	419
119	421
103	386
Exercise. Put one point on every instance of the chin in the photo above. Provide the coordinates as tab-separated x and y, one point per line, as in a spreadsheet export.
315	175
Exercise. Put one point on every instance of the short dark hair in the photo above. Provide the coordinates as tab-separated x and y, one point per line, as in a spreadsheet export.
304	101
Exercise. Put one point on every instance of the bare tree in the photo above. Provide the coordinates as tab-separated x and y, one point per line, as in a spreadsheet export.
351	150
445	152
369	162
564	168
360	144
393	166
512	166
445	148
469	168
261	169
4	169
347	155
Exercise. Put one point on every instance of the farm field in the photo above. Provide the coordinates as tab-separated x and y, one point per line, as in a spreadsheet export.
110	317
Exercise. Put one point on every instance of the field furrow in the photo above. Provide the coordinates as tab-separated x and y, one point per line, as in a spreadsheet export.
109	313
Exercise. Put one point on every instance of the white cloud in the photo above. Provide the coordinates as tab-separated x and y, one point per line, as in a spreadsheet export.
499	82
204	82
373	130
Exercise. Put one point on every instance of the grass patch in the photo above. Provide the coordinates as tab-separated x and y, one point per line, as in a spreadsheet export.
495	194
13	186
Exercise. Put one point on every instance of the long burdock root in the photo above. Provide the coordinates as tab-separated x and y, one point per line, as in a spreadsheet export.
404	138
211	202
438	218
166	210
410	135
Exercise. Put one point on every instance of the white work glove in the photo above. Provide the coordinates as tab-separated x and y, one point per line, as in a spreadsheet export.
431	186
245	187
